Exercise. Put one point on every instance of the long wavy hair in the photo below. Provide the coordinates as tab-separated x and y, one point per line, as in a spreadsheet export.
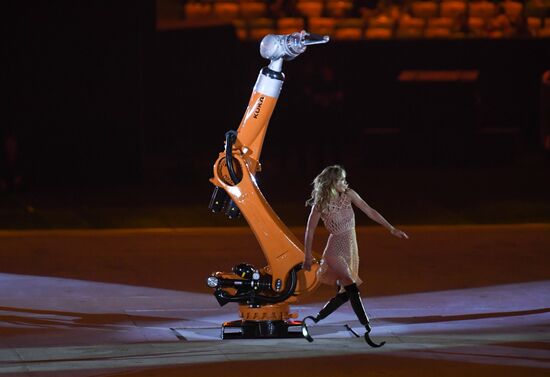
324	187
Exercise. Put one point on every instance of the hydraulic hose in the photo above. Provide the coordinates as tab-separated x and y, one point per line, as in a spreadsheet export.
230	138
223	297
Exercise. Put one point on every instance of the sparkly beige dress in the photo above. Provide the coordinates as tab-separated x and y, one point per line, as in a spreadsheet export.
340	257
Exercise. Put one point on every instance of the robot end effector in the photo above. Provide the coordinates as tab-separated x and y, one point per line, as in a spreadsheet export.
277	48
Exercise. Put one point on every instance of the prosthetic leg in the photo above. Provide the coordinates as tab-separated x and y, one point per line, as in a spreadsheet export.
329	308
354	296
359	310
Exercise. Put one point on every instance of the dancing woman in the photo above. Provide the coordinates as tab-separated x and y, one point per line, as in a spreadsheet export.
331	200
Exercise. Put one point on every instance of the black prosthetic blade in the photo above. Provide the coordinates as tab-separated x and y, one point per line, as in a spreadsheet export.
371	343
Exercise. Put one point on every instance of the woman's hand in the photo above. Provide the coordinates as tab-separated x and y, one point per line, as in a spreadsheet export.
307	262
399	233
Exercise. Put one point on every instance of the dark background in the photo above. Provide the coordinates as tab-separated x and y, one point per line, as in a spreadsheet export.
107	111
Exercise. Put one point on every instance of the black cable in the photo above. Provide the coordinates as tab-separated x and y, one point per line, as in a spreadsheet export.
230	138
261	299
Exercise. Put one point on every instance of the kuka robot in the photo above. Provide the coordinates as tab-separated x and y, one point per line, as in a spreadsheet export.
263	294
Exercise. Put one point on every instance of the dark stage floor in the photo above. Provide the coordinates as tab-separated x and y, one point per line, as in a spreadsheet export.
452	301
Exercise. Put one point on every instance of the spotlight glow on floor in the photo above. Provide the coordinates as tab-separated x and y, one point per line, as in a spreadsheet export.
55	324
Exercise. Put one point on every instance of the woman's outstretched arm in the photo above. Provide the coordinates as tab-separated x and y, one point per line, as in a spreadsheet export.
312	222
374	215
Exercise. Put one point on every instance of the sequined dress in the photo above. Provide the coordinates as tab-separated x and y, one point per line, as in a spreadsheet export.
341	256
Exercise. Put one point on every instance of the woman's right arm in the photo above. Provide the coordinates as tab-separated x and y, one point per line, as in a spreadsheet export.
312	222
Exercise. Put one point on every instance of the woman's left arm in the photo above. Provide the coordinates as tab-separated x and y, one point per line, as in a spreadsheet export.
374	214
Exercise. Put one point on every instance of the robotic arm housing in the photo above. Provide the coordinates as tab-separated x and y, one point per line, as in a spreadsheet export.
263	294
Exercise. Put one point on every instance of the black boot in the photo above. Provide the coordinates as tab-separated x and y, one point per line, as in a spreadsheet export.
329	308
359	310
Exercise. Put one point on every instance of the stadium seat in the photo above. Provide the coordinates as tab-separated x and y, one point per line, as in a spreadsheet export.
440	22
339	8
321	25
241	29
476	27
482	9
381	21
260	27
513	10
410	27
288	25
534	24
453	9
424	9
378	33
348	29
253	9
439	27
197	10
310	8
226	10
437	32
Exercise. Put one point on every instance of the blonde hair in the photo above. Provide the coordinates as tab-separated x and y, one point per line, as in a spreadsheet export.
324	187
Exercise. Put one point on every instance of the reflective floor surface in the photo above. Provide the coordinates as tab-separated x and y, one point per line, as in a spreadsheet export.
456	300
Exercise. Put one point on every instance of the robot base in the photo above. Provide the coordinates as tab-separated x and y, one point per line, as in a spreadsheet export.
262	329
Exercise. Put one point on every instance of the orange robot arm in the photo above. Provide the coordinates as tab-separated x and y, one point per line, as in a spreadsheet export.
237	191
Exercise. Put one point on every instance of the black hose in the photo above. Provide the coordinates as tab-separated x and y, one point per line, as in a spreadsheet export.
225	297
230	138
290	288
